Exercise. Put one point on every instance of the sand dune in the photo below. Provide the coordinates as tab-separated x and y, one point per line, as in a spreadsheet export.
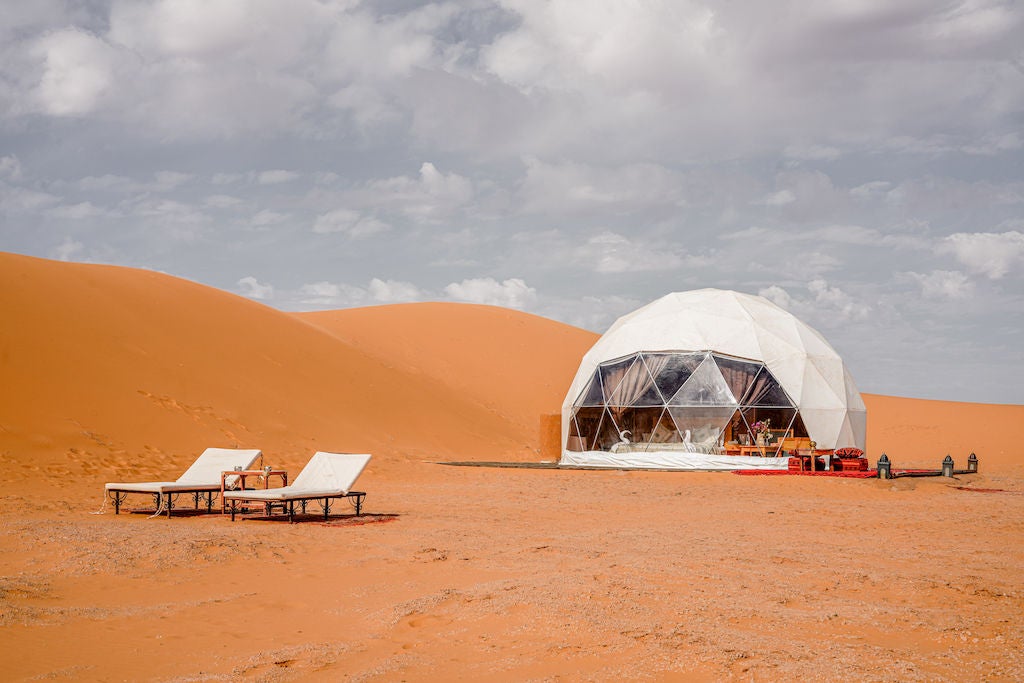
455	573
115	372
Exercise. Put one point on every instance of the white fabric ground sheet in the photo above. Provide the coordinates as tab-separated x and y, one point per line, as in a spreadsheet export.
664	460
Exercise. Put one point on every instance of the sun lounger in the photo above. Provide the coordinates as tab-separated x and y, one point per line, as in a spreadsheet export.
326	477
202	477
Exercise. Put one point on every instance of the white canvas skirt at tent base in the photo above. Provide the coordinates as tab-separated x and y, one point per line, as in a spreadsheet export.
668	460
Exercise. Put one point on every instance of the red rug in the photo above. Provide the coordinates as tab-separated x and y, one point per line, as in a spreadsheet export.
869	474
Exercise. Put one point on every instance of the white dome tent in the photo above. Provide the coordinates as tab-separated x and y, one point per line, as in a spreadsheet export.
688	382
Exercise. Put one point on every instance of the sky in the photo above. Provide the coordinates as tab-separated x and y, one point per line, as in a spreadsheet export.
858	162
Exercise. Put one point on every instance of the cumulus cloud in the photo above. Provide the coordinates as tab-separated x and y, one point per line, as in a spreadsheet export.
393	291
431	196
989	253
252	288
67	250
77	71
511	293
943	284
822	301
325	295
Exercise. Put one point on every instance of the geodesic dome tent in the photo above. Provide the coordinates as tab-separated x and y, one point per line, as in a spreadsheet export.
687	380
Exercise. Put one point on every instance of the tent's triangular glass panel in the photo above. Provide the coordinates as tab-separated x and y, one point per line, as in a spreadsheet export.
738	374
651	395
591	394
635	385
636	424
607	433
671	370
766	391
798	428
664	431
583	427
702	426
612	373
779	420
705	387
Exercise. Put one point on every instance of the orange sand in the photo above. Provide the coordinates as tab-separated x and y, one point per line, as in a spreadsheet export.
455	572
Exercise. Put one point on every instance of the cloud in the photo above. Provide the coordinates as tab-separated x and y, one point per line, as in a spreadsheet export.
991	254
349	222
254	289
67	250
822	302
943	284
609	252
76	212
811	152
275	177
266	217
427	198
511	293
222	201
19	199
77	72
568	187
780	198
10	167
325	295
163	181
393	291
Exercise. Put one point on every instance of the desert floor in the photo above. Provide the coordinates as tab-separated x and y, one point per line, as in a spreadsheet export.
471	573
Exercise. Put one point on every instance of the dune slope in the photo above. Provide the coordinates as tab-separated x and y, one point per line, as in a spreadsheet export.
131	372
517	364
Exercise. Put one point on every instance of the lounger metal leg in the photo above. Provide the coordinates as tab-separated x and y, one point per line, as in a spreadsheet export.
327	507
359	504
233	510
170	504
291	511
209	501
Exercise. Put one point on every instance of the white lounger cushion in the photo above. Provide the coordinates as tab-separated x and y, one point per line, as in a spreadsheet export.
326	474
203	475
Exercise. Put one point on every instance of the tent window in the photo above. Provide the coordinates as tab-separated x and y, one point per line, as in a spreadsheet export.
656	398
